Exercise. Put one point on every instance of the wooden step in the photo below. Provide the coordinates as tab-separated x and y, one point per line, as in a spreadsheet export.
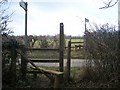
47	71
44	60
54	72
43	70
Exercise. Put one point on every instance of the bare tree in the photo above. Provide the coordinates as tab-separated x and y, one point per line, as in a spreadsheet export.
4	19
109	3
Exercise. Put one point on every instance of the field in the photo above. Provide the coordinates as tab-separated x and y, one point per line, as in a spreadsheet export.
48	54
74	40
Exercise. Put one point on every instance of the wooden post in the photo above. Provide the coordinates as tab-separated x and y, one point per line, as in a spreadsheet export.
67	71
61	56
57	82
23	63
13	64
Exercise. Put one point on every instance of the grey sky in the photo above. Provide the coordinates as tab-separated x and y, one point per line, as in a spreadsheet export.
44	16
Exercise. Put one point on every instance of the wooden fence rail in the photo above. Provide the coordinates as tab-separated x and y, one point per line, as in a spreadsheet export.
42	49
44	60
76	42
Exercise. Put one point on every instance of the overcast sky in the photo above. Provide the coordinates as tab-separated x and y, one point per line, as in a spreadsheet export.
44	16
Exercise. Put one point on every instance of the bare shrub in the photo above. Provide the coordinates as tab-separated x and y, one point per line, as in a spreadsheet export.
101	48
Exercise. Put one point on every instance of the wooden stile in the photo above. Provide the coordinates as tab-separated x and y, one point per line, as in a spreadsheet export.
57	74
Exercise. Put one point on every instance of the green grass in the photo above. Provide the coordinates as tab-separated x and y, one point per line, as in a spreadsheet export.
66	42
74	40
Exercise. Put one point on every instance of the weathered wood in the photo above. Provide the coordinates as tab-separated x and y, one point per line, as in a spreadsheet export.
53	72
48	71
67	71
44	60
23	63
44	71
74	46
13	64
32	64
57	82
61	56
43	49
58	74
76	42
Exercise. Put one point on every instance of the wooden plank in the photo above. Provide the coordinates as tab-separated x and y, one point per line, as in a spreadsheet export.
53	72
43	49
32	64
43	70
44	60
48	71
76	42
74	46
71	47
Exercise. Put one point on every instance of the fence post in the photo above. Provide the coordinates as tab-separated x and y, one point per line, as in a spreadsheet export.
13	64
67	74
61	56
57	82
23	63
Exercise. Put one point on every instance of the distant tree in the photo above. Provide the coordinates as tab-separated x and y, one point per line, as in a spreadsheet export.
4	19
20	39
56	41
44	42
32	40
8	42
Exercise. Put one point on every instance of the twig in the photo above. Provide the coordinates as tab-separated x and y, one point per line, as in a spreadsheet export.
108	4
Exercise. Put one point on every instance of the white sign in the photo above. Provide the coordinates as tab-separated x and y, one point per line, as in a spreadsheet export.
23	5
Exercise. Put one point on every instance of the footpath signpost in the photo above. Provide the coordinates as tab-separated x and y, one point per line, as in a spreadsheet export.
24	56
24	6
